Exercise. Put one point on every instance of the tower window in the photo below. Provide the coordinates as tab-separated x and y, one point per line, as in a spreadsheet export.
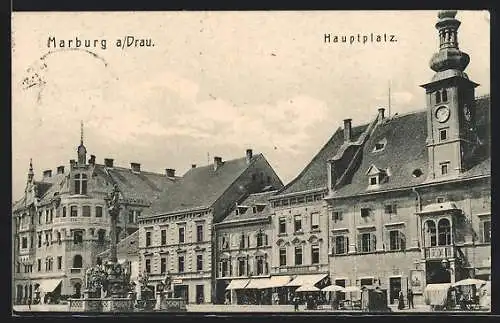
81	184
443	134
444	95
438	97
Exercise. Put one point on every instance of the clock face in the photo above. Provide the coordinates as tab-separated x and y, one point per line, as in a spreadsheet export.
442	114
467	113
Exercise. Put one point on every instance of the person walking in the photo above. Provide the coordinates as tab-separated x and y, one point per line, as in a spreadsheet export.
410	298
401	300
296	303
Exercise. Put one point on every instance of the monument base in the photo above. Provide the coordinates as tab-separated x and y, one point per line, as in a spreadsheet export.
101	305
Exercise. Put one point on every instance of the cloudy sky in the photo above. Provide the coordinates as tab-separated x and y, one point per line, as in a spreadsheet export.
216	83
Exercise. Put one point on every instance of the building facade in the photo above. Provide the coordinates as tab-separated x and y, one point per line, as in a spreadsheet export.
177	237
62	223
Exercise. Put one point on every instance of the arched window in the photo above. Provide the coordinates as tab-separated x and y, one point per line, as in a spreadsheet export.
444	232
438	97
80	184
77	261
430	233
444	95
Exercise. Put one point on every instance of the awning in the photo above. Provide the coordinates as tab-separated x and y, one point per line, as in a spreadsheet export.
257	283
48	285
278	281
300	280
237	284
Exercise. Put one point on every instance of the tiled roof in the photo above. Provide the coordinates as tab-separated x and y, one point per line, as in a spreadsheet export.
125	247
406	151
200	187
144	186
314	175
256	199
50	187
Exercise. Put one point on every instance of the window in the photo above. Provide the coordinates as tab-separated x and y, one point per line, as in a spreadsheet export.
438	97
225	268
224	242
366	281
243	241
58	237
341	245
444	168
261	239
298	256
315	254
163	237
259	261
282	225
254	209
32	238
74	211
51	215
485	231
98	211
77	261
64	212
199	233
59	262
315	221
440	199
39	264
101	236
40	217
181	264
24	243
444	95
367	242
283	256
81	184
430	233
444	232
337	216
39	240
380	145
297	223
47	240
373	180
241	266
18	267
181	235
390	208
163	265
199	262
148	266
365	212
148	238
46	216
396	240
77	237
86	210
443	134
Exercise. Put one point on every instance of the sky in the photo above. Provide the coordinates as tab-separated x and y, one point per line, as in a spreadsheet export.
216	83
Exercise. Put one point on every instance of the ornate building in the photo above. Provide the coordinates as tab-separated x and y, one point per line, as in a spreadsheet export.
176	235
61	222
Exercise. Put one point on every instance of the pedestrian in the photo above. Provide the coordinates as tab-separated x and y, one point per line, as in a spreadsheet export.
410	298
296	303
401	300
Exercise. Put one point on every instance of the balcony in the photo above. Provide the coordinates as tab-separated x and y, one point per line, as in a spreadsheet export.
440	252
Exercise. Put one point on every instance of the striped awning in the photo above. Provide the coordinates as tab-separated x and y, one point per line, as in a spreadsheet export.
49	285
300	280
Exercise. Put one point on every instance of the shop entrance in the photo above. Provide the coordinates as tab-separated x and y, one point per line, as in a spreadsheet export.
200	296
394	288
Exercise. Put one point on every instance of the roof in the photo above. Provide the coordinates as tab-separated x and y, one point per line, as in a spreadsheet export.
256	199
140	186
200	187
127	246
406	151
314	175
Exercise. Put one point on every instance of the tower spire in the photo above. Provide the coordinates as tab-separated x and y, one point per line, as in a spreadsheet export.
81	132
82	151
31	174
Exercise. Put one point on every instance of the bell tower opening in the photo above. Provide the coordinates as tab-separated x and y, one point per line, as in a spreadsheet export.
450	103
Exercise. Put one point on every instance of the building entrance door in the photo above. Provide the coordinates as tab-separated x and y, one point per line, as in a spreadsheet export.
394	288
181	291
200	297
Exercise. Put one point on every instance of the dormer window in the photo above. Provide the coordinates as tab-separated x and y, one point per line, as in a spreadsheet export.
373	180
254	209
380	145
376	176
81	184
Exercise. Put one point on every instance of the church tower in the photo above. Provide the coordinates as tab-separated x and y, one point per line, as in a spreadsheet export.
450	104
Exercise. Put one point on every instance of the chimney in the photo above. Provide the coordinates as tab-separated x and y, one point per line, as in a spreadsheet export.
170	172
60	170
47	173
72	163
381	116
217	162
92	160
193	165
249	155
347	130
135	167
108	162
